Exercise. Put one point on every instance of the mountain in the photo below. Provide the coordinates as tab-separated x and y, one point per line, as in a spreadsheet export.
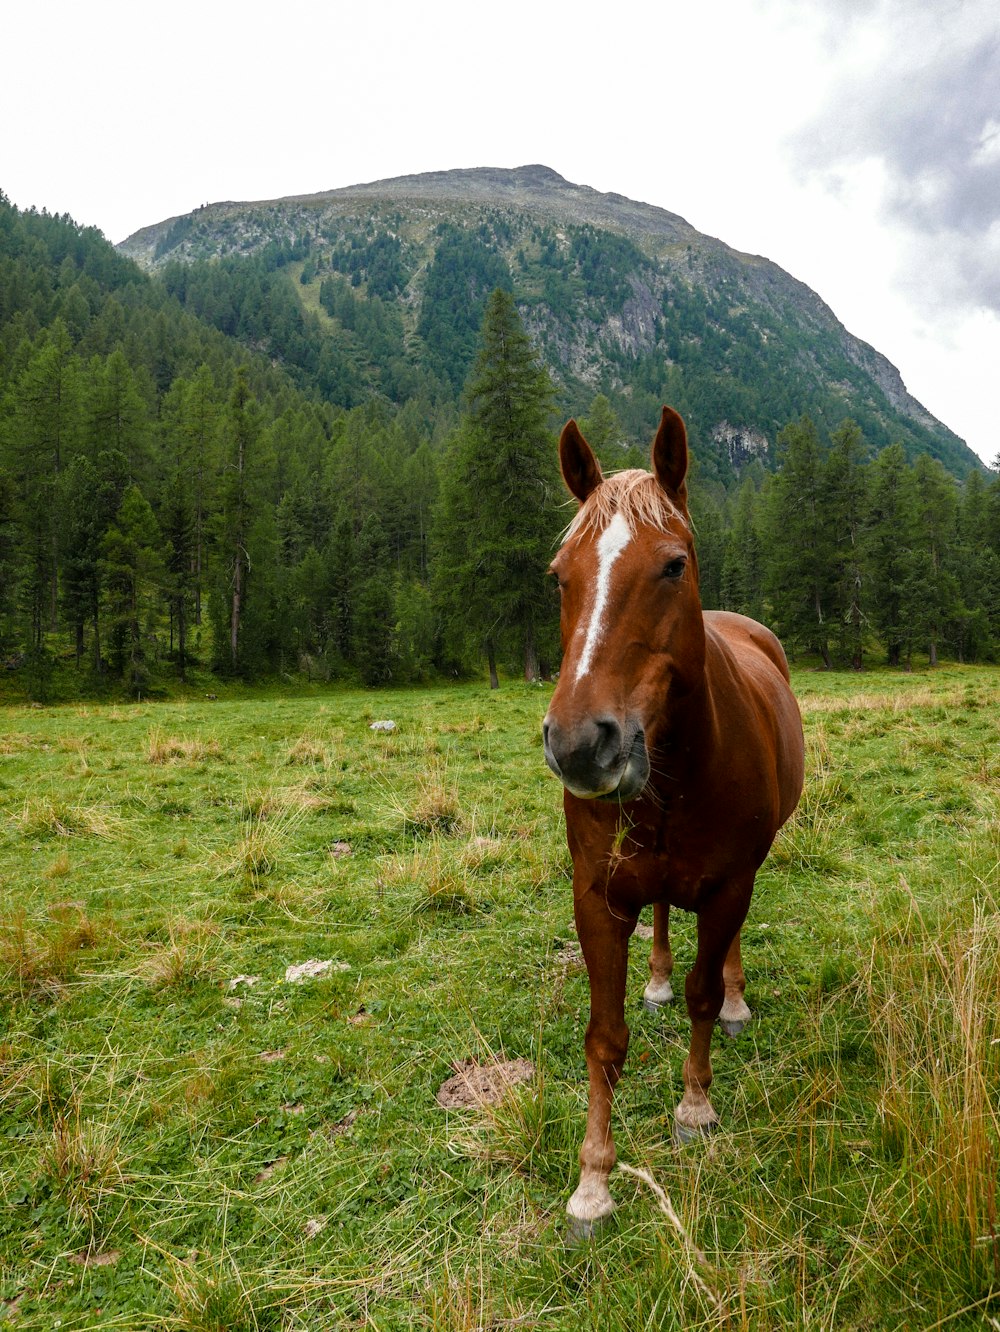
623	298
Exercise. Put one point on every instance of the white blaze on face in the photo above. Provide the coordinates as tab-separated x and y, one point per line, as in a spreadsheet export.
610	545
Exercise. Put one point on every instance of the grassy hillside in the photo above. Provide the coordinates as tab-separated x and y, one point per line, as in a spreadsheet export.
193	1141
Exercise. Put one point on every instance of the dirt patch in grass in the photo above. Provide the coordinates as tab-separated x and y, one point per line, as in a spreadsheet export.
475	1084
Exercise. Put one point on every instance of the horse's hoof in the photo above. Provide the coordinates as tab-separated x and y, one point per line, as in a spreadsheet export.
581	1231
732	1027
657	995
685	1133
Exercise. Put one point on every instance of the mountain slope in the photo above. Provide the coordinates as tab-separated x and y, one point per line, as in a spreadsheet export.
622	298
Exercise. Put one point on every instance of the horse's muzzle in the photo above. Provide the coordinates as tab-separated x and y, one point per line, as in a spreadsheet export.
597	758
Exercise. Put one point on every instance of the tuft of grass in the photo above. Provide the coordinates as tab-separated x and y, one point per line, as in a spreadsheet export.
184	960
45	816
939	1050
60	867
82	1162
162	749
308	752
39	960
435	875
270	825
434	809
534	1129
812	838
219	1299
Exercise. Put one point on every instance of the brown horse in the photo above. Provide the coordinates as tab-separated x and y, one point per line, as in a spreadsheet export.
679	743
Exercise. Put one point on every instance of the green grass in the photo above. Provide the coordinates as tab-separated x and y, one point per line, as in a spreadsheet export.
179	1152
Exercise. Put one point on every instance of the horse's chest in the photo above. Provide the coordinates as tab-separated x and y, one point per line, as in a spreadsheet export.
677	855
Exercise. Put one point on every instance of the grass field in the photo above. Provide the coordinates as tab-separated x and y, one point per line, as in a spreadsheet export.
191	1141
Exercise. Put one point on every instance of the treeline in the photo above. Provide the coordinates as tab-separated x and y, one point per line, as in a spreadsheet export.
168	497
856	559
140	527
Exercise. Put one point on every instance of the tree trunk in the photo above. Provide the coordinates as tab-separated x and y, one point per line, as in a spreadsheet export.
530	656
182	640
96	620
491	657
234	621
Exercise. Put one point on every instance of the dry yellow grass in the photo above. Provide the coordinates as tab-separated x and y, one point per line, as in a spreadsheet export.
162	748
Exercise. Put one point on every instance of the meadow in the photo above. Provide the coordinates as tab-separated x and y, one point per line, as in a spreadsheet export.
191	1139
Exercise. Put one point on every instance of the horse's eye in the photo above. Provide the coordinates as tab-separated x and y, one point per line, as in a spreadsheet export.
675	569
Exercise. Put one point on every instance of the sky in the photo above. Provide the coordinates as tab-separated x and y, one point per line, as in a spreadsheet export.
854	142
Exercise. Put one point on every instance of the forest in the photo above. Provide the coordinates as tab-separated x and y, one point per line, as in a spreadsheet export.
197	472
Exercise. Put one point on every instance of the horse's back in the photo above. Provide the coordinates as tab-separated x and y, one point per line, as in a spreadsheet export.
740	632
754	657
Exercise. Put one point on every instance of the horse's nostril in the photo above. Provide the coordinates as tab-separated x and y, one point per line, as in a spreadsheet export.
608	742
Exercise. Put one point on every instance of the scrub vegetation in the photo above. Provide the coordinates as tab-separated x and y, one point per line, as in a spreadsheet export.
193	1141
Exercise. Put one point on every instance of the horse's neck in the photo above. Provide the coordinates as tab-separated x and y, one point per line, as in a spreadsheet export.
692	726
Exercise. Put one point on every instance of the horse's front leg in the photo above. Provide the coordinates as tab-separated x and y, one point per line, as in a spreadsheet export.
659	991
705	989
604	939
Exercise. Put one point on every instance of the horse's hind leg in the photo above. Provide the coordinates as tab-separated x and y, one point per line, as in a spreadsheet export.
705	988
735	1014
661	961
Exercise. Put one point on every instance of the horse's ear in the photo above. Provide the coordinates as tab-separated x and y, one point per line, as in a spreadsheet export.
670	455
581	470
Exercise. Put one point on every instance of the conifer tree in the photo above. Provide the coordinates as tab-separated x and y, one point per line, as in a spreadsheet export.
604	433
92	494
240	509
133	573
977	568
844	510
889	541
798	574
41	437
199	424
934	594
373	607
497	518
742	568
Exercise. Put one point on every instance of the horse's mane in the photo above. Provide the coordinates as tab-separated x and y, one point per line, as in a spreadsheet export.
636	495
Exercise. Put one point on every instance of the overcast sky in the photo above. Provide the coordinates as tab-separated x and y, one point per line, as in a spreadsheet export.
854	142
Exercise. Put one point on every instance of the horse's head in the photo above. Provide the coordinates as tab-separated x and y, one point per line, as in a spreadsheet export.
632	630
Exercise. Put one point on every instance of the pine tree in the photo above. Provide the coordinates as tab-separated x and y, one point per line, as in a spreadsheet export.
238	528
889	541
133	574
978	571
41	438
604	433
707	519
934	592
844	508
372	619
742	567
797	582
92	495
497	516
200	426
